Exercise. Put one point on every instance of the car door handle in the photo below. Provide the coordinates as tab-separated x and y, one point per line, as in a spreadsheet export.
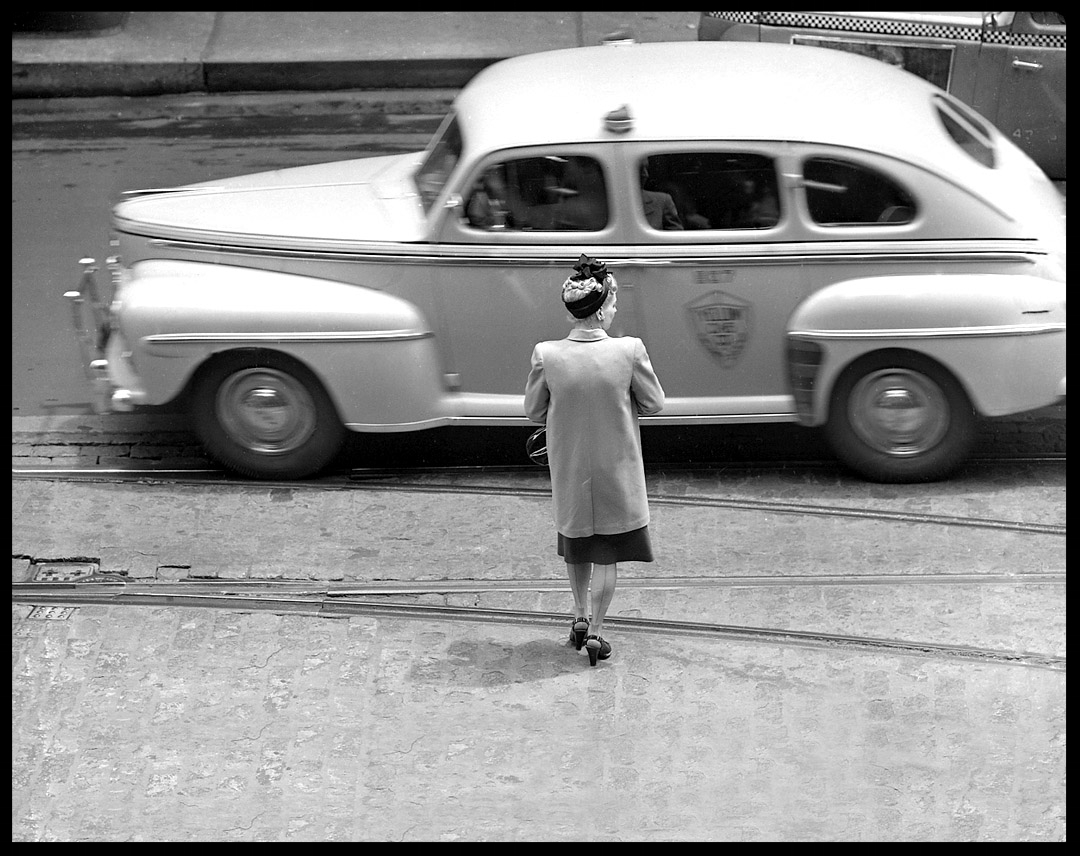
1026	66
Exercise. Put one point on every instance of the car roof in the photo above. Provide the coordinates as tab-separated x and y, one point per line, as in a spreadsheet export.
703	91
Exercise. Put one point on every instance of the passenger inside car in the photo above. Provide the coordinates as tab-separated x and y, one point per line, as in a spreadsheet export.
685	204
583	204
718	190
757	206
539	194
489	204
659	207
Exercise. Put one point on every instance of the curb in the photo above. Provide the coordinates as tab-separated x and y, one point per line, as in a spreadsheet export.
342	74
49	24
429	101
81	80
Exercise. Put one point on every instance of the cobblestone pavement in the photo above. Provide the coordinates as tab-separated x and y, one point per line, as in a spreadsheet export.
159	724
162	723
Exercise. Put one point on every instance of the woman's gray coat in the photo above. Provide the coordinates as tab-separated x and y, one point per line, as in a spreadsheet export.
589	389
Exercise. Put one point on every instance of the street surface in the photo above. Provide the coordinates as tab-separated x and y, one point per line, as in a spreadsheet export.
171	722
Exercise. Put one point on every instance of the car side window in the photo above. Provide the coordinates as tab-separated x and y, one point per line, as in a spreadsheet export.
550	193
841	193
1048	19
709	190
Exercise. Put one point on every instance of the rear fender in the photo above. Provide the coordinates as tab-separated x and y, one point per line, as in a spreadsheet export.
373	352
1001	336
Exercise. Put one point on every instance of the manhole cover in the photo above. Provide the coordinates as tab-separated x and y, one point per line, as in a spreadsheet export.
52	613
63	572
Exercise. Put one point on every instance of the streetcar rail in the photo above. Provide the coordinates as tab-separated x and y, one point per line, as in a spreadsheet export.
390	480
320	603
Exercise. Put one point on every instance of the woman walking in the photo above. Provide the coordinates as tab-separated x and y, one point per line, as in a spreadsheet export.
588	389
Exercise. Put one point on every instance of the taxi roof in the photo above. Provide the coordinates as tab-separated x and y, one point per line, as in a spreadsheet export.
702	91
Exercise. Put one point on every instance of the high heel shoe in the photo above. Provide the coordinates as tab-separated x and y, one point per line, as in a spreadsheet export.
598	649
577	632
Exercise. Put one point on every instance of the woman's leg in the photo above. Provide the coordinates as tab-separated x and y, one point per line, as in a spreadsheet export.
603	587
579	586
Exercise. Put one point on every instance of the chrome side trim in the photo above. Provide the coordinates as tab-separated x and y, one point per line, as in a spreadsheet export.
519	421
933	332
160	191
499	257
292	338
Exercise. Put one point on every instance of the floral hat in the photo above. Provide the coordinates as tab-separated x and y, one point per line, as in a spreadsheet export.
587	288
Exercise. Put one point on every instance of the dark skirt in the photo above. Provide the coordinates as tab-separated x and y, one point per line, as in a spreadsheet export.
633	546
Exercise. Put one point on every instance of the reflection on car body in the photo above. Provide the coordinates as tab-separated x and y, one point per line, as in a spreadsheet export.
1009	66
884	269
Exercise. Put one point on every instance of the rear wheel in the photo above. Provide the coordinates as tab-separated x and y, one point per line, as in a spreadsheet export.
266	416
900	417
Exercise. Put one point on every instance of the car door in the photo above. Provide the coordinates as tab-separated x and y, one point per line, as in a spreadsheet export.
713	292
1025	53
519	223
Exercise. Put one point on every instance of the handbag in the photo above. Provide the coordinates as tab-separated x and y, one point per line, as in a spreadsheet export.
536	447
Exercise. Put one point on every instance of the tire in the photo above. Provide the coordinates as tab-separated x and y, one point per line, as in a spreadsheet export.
265	416
899	417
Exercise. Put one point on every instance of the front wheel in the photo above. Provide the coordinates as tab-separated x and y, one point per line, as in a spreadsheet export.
266	416
900	417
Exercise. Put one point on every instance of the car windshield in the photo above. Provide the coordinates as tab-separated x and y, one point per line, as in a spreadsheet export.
442	156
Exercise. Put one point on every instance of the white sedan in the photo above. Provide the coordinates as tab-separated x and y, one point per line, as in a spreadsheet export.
799	235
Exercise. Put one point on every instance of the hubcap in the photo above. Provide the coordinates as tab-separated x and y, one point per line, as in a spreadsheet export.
266	411
899	412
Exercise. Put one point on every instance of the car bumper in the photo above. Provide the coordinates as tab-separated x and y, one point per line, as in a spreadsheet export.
100	348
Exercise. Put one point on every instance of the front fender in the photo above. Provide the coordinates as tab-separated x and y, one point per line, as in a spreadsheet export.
1001	336
373	352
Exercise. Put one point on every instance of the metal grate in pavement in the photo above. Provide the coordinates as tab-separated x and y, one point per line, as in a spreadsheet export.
63	572
52	613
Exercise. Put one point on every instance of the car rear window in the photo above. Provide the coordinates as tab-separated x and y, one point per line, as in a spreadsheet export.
843	193
967	129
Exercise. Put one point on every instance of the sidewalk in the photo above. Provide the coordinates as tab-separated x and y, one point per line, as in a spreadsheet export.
177	52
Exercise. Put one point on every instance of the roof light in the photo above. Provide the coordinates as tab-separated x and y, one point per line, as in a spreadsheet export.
619	121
